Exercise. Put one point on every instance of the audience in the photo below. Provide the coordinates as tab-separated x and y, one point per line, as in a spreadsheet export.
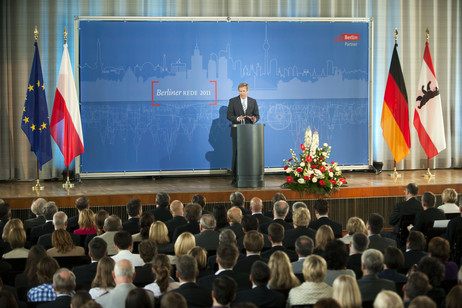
301	218
112	225
321	210
192	213
28	279
449	205
336	256
44	292
410	206
388	299
324	235
303	248
354	224
256	207
416	285
64	285
183	244
81	203
374	226
146	221
86	223
60	222
37	209
280	210
422	302
435	271
84	274
453	299
200	199
424	220
139	298
346	292
49	210
17	240
134	210
276	236
80	298
440	249
173	299
177	211
234	215
221	215
282	278
162	268
200	254
103	281
237	199
224	291
144	274
415	249
161	212
158	232
10	225
63	246
359	243
123	244
253	244
393	261
207	238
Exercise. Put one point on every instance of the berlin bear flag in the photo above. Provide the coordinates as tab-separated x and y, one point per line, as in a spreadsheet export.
428	115
65	126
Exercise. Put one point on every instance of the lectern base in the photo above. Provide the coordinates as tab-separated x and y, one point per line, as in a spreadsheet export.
250	181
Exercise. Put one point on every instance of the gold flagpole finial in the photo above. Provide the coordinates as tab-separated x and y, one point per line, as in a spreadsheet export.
427	34
36	34
65	35
396	35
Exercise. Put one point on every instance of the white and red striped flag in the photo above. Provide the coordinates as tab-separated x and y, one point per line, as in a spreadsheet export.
428	114
65	125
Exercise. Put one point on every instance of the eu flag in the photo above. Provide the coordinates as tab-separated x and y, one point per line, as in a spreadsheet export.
35	123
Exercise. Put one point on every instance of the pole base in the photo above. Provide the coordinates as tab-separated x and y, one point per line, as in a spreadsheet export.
38	187
429	175
395	174
68	184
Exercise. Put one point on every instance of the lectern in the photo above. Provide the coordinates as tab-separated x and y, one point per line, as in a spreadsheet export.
250	155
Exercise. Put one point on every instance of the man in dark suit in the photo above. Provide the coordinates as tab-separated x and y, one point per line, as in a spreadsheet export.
303	248
161	212
63	284
424	220
144	274
5	215
49	211
250	223
253	244
415	249
234	219
358	244
192	213
301	220
85	274
81	203
208	238
223	291
59	222
256	207
454	228
276	236
280	210
237	199
374	226
200	199
241	109
321	210
370	285
186	272
177	210
37	209
260	295
227	255
408	207
132	225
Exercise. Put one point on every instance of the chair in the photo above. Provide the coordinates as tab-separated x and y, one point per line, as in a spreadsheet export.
70	262
451	215
403	233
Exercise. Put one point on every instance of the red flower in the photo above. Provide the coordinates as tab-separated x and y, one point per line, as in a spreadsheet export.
342	180
321	159
313	167
306	178
312	176
302	146
299	170
291	159
322	169
321	182
333	181
330	170
332	162
289	179
309	158
285	167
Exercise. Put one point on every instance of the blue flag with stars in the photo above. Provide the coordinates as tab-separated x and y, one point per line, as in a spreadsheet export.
35	123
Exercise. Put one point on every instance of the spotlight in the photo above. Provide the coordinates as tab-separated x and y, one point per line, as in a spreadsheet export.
378	165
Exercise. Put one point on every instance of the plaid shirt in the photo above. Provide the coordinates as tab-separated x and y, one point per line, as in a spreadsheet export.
42	293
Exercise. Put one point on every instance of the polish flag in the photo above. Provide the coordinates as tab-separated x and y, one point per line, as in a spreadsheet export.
428	115
65	124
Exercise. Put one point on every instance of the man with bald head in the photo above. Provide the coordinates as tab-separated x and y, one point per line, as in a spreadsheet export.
112	225
256	207
123	273
280	210
63	284
235	220
177	211
59	222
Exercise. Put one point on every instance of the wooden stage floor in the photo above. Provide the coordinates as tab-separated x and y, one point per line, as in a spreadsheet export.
104	192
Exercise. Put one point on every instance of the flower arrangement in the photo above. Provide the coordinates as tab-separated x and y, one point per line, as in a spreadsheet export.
309	171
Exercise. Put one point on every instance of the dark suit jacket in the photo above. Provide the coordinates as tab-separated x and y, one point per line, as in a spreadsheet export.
454	228
173	223
144	275
235	110
208	240
412	257
354	263
290	253
378	242
38	231
285	224
85	274
161	214
262	297
293	234
411	206
371	285
393	275
424	220
192	227
45	240
195	295
242	280
244	265
267	244
72	223
33	222
60	302
132	225
237	229
336	227
262	219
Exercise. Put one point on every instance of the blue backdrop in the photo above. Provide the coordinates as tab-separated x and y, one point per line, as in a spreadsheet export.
154	94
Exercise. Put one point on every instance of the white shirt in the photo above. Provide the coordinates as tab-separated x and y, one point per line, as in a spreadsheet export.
132	257
449	208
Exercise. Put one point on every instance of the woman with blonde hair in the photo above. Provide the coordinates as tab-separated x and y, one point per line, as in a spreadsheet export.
183	244
86	223
449	205
161	266
346	292
324	235
158	232
103	280
354	224
200	254
63	246
17	240
282	276
10	225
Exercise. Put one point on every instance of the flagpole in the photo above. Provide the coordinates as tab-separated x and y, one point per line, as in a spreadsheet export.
395	173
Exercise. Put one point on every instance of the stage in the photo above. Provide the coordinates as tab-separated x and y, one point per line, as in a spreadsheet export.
366	192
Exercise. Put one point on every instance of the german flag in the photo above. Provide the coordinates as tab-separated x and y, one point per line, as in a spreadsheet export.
395	113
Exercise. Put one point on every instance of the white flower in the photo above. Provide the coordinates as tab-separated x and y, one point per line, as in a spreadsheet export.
314	180
301	181
325	144
289	170
302	164
331	174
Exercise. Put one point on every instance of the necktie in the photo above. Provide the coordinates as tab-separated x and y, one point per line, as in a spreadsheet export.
244	104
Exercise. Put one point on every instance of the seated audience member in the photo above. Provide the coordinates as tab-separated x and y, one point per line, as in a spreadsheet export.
123	273
49	210
435	271
46	268
336	256
424	220
303	248
224	291
158	232
416	285
313	289
346	292
177	211
162	268
454	230
139	298
260	295
454	296
358	245
146	220
85	274
123	243
100	218
200	254
393	261
64	285
327	302
59	223
256	207
80	298
354	224
374	226
301	218
249	223
207	238
439	248
134	210
17	240
282	278
370	284
221	215
321	210
200	199
63	246
280	210
324	235
449	205
234	217
195	295
28	279
192	213
81	203
161	212
144	274
422	301
112	225
103	281
237	199
276	197
86	223
183	244
276	236
227	255
173	299
388	299
227	236
7	299
410	206
37	209
415	249
10	225
253	244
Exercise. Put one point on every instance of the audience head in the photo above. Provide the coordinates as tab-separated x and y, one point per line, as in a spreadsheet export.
449	195
282	276
123	240
134	208
80	298
86	219
124	271
439	248
412	189
321	206
104	278
227	255
388	299
280	209
158	232
459	276
221	215
173	299
208	222
304	246
355	224
37	206
199	199
162	267
17	238
249	223
422	301
60	220
323	236
299	205
417	284
113	223
434	269
227	236
49	210
416	241
177	208
36	253
453	299
162	199
346	291
200	254
192	212
64	281
82	202
97	248
327	302
148	250
260	273
146	221
237	199
336	255
234	215
7	299
62	241
277	197
372	261
224	290
359	242
5	211
428	199
393	258
186	268
301	217
314	268
375	223
139	298
253	241
46	268
11	224
184	243
256	205
276	232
